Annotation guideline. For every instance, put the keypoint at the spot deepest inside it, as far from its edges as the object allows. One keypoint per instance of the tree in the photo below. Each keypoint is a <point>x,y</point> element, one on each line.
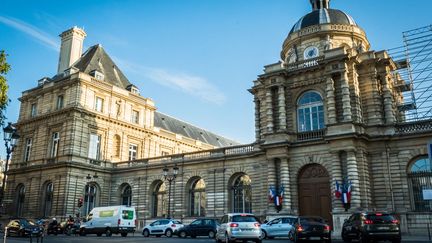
<point>4,100</point>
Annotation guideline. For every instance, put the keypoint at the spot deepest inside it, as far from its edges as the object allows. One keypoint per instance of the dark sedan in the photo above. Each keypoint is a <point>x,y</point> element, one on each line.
<point>366,226</point>
<point>199,227</point>
<point>310,228</point>
<point>23,227</point>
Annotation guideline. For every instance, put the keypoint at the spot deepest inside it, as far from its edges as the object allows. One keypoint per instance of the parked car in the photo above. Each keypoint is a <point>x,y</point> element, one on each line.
<point>278,227</point>
<point>23,227</point>
<point>366,226</point>
<point>239,226</point>
<point>160,227</point>
<point>310,228</point>
<point>109,220</point>
<point>199,227</point>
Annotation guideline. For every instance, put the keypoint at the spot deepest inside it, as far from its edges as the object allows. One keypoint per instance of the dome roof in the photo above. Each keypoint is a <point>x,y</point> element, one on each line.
<point>323,16</point>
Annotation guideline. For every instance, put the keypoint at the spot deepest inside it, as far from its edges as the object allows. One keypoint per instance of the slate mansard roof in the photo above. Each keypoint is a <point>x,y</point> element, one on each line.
<point>96,59</point>
<point>185,129</point>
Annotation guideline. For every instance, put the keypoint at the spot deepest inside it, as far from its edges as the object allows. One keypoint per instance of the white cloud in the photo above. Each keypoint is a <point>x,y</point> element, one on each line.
<point>31,31</point>
<point>190,84</point>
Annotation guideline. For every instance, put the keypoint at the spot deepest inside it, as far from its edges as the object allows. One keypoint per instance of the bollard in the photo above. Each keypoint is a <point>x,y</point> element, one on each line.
<point>429,232</point>
<point>5,234</point>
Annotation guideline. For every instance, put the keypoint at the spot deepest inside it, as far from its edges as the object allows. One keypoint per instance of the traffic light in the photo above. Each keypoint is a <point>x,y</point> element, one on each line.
<point>80,202</point>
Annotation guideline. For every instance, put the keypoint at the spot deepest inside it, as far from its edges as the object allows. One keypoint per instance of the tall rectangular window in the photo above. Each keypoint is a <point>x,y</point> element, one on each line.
<point>133,148</point>
<point>135,117</point>
<point>99,104</point>
<point>27,150</point>
<point>94,146</point>
<point>55,144</point>
<point>59,103</point>
<point>33,111</point>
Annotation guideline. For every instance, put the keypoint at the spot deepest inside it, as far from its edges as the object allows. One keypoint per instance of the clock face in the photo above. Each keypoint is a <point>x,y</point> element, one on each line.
<point>311,52</point>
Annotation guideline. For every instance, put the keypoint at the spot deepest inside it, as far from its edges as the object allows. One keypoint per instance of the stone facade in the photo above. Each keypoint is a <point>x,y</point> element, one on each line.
<point>327,112</point>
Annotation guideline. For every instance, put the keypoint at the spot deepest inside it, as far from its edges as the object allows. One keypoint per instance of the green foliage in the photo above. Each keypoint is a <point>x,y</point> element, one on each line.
<point>4,100</point>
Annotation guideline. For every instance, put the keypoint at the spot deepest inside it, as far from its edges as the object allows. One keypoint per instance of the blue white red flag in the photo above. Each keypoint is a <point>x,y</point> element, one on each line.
<point>338,190</point>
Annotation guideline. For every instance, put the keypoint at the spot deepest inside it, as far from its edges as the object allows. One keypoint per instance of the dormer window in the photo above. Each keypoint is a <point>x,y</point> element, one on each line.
<point>97,75</point>
<point>133,89</point>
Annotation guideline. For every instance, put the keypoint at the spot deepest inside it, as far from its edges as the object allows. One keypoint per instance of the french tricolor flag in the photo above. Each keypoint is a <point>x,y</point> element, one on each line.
<point>338,190</point>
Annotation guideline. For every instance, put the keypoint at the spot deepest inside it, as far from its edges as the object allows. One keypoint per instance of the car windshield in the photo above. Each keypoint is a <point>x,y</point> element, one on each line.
<point>244,218</point>
<point>176,222</point>
<point>311,220</point>
<point>27,222</point>
<point>380,217</point>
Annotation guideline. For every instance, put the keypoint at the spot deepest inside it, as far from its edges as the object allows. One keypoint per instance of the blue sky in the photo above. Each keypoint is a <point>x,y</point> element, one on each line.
<point>194,58</point>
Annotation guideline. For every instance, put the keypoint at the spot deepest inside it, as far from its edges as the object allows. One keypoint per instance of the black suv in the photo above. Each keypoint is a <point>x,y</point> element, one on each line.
<point>199,227</point>
<point>371,226</point>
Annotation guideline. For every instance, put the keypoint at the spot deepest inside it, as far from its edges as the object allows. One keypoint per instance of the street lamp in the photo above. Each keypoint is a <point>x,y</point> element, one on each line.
<point>87,197</point>
<point>11,138</point>
<point>170,177</point>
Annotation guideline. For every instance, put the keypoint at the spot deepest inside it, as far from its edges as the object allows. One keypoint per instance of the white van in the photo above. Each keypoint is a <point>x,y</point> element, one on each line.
<point>109,220</point>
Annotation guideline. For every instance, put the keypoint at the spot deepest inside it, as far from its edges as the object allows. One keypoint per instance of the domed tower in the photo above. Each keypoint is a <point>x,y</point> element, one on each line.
<point>320,30</point>
<point>321,103</point>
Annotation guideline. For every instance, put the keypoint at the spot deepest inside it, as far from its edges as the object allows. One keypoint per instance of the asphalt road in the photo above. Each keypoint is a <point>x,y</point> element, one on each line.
<point>137,238</point>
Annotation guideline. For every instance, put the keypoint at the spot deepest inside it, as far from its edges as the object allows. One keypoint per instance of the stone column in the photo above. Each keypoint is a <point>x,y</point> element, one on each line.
<point>331,104</point>
<point>336,176</point>
<point>271,181</point>
<point>388,101</point>
<point>257,119</point>
<point>285,181</point>
<point>282,108</point>
<point>357,109</point>
<point>353,177</point>
<point>346,100</point>
<point>269,111</point>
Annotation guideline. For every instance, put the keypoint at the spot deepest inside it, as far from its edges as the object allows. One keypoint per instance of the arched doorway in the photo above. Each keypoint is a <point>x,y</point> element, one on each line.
<point>314,192</point>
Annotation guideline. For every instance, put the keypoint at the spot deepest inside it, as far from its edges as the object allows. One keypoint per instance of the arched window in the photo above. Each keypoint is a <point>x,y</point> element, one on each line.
<point>420,182</point>
<point>126,196</point>
<point>197,198</point>
<point>90,198</point>
<point>241,195</point>
<point>20,199</point>
<point>48,199</point>
<point>159,200</point>
<point>310,112</point>
<point>117,146</point>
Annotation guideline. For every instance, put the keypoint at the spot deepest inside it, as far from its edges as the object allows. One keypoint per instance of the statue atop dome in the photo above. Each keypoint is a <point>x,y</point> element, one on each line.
<point>320,4</point>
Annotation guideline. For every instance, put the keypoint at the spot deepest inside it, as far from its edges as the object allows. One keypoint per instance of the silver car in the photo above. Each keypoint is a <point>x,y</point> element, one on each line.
<point>239,226</point>
<point>278,227</point>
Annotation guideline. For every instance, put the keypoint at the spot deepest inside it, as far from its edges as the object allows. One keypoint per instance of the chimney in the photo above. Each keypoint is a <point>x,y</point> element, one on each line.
<point>71,47</point>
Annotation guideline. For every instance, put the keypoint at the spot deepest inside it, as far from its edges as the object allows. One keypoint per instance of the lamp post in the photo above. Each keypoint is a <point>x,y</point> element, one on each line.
<point>89,179</point>
<point>170,177</point>
<point>11,138</point>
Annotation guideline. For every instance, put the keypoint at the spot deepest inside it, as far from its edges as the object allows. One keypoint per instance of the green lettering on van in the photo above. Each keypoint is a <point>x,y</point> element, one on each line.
<point>127,214</point>
<point>106,213</point>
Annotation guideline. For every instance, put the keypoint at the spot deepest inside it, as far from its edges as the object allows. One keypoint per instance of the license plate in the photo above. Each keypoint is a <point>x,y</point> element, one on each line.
<point>246,229</point>
<point>382,228</point>
<point>315,238</point>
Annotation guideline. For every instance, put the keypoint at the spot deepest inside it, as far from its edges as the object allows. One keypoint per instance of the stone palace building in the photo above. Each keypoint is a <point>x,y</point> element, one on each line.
<point>330,110</point>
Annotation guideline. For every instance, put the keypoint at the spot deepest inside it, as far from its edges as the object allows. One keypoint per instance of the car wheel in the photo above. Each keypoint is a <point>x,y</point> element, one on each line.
<point>182,234</point>
<point>123,234</point>
<point>211,234</point>
<point>146,233</point>
<point>168,233</point>
<point>263,235</point>
<point>108,232</point>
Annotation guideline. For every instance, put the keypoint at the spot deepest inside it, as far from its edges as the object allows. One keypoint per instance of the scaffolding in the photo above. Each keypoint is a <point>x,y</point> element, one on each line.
<point>414,73</point>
